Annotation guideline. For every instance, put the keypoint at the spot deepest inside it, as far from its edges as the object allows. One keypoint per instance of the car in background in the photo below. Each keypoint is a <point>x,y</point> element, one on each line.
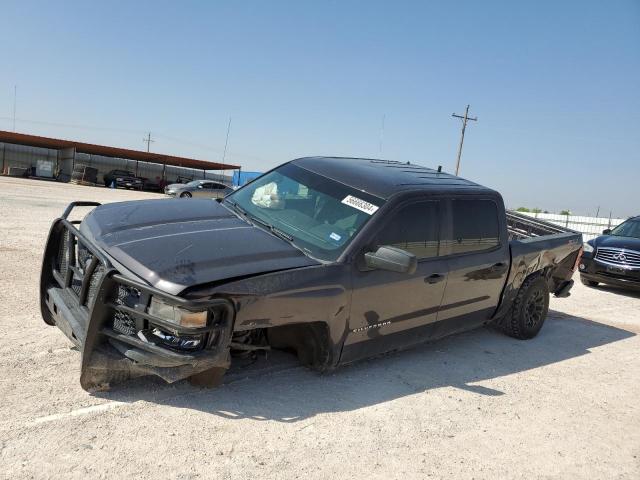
<point>123,179</point>
<point>614,257</point>
<point>152,185</point>
<point>198,188</point>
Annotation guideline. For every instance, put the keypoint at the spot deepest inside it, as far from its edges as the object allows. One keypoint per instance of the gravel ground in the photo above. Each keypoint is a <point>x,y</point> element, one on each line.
<point>477,405</point>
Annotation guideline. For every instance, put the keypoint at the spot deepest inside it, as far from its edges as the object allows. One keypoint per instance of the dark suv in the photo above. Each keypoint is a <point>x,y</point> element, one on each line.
<point>123,178</point>
<point>614,257</point>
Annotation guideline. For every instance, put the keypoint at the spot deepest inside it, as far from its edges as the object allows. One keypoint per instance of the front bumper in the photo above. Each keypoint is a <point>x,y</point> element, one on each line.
<point>596,271</point>
<point>104,313</point>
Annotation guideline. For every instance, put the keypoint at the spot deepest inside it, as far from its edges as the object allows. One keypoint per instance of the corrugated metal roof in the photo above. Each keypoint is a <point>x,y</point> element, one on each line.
<point>58,144</point>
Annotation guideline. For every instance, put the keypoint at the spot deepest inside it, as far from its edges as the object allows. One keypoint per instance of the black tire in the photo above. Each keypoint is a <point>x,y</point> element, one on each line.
<point>588,283</point>
<point>209,378</point>
<point>185,195</point>
<point>529,310</point>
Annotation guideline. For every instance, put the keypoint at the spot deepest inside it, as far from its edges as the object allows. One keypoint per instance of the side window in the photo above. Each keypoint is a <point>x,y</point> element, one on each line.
<point>414,228</point>
<point>475,226</point>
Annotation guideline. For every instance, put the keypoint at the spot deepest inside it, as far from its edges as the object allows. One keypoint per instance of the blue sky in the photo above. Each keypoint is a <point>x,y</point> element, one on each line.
<point>556,85</point>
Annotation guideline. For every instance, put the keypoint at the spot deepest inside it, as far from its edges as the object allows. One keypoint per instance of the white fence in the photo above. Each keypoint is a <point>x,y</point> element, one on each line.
<point>590,227</point>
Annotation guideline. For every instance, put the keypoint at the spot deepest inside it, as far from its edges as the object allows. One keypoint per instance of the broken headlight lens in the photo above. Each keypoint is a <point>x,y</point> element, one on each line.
<point>177,315</point>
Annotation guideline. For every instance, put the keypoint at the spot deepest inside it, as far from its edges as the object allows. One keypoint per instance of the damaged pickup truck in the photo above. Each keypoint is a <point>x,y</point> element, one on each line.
<point>336,259</point>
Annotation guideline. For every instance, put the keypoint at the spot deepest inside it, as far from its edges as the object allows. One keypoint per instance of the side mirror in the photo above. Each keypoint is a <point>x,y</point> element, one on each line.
<point>200,186</point>
<point>392,259</point>
<point>606,231</point>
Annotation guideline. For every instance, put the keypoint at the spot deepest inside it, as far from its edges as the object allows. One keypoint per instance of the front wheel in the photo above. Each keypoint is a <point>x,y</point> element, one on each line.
<point>529,310</point>
<point>185,195</point>
<point>588,283</point>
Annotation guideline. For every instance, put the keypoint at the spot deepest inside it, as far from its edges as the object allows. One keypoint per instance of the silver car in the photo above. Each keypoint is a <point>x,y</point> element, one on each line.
<point>198,188</point>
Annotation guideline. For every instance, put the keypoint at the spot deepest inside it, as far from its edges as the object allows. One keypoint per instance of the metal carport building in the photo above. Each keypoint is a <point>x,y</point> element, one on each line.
<point>31,155</point>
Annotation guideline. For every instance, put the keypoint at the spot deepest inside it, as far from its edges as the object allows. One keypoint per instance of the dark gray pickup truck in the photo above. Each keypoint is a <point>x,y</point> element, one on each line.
<point>336,259</point>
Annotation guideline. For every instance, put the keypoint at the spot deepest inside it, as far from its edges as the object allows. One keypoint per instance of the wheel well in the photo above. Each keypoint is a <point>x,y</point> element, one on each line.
<point>310,341</point>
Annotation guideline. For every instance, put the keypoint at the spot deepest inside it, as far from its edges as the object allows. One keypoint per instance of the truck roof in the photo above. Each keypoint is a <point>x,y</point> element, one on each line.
<point>383,178</point>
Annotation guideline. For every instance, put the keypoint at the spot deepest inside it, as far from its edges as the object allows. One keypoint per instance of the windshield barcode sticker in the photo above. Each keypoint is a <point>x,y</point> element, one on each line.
<point>360,204</point>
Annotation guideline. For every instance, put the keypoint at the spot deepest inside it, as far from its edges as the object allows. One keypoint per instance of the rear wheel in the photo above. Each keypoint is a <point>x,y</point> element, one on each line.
<point>529,309</point>
<point>185,195</point>
<point>588,283</point>
<point>209,378</point>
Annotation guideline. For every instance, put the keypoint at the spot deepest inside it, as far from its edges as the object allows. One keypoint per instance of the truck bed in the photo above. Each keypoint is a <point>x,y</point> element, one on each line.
<point>523,226</point>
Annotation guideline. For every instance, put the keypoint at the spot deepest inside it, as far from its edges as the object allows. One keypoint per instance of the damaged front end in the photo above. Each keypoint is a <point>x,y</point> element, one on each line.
<point>123,327</point>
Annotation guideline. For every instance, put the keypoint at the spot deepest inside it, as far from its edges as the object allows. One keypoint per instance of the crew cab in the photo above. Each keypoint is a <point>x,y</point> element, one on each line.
<point>124,179</point>
<point>337,259</point>
<point>614,257</point>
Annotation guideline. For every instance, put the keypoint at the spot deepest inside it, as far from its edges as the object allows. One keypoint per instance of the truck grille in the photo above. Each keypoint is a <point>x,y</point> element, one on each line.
<point>78,263</point>
<point>94,282</point>
<point>619,257</point>
<point>123,322</point>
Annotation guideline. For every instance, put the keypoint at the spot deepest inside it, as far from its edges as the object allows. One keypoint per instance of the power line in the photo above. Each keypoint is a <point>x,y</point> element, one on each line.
<point>384,115</point>
<point>15,101</point>
<point>226,143</point>
<point>464,127</point>
<point>70,125</point>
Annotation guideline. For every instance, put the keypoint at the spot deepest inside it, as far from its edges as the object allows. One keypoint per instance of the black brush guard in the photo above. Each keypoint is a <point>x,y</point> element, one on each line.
<point>81,297</point>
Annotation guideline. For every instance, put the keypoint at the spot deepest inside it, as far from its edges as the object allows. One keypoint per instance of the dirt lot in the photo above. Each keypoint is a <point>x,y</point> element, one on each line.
<point>478,405</point>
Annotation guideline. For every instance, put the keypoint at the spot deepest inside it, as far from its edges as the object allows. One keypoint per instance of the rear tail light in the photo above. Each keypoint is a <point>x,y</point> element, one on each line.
<point>578,258</point>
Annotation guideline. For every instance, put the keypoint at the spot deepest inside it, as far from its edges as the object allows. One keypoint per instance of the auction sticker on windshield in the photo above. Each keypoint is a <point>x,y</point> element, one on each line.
<point>360,204</point>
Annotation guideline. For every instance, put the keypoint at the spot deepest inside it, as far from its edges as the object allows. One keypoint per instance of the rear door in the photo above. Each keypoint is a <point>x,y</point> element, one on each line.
<point>477,252</point>
<point>390,310</point>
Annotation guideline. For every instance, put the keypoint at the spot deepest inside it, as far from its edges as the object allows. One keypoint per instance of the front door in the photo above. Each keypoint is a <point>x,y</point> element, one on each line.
<point>390,310</point>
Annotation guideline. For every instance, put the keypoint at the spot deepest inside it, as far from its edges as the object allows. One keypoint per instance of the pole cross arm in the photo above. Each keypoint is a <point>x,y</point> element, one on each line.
<point>475,119</point>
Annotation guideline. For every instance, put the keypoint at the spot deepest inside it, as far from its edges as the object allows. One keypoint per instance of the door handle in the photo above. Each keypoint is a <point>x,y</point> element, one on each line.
<point>435,278</point>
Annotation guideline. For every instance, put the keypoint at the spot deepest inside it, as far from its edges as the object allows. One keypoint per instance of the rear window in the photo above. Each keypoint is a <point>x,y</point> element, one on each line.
<point>475,226</point>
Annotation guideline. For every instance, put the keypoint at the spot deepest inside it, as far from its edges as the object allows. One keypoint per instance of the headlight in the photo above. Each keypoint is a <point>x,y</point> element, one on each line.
<point>177,315</point>
<point>118,179</point>
<point>587,247</point>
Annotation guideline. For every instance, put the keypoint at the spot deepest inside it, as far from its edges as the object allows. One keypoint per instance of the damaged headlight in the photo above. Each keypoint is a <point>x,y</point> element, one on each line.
<point>177,315</point>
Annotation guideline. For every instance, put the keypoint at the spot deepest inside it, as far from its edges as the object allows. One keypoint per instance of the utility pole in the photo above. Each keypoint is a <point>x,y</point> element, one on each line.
<point>465,119</point>
<point>148,141</point>
<point>15,98</point>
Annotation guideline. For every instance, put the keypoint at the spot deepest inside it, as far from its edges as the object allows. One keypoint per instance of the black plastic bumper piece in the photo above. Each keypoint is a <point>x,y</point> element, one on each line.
<point>564,290</point>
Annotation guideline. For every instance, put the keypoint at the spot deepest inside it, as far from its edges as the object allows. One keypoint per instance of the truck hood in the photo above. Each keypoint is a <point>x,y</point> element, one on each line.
<point>177,244</point>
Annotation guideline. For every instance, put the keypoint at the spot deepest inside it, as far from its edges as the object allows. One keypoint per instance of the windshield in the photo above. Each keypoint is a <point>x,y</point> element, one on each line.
<point>194,183</point>
<point>630,228</point>
<point>318,215</point>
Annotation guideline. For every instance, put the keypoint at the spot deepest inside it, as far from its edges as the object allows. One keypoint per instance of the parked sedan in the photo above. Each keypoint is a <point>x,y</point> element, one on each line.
<point>198,188</point>
<point>614,257</point>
